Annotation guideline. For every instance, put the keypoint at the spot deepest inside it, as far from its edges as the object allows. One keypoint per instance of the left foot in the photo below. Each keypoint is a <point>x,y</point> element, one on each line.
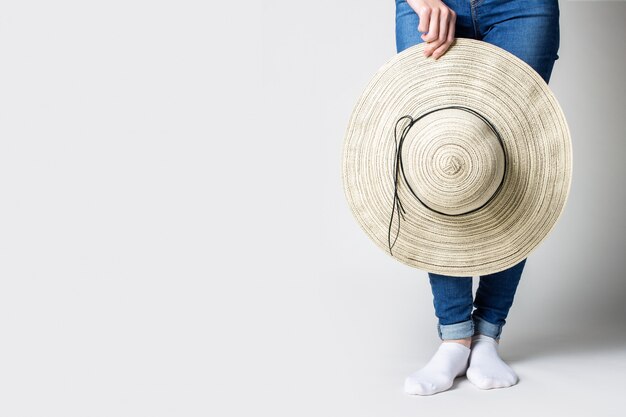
<point>486,369</point>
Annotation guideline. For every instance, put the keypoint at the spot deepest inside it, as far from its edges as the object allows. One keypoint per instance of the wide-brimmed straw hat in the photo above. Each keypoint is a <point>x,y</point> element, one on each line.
<point>458,166</point>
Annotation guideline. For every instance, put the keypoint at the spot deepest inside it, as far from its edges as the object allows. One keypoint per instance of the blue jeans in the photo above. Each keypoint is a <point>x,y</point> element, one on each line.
<point>529,29</point>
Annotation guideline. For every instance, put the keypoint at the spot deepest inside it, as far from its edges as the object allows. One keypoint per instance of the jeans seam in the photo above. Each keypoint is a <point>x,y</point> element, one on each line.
<point>473,6</point>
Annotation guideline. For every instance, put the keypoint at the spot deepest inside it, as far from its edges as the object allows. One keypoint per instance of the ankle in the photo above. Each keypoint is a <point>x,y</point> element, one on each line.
<point>467,342</point>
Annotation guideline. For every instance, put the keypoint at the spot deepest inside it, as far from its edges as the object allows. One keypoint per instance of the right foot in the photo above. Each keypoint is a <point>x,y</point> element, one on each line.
<point>449,361</point>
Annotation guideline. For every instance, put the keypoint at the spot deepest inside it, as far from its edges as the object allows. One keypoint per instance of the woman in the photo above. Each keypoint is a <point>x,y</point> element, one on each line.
<point>529,29</point>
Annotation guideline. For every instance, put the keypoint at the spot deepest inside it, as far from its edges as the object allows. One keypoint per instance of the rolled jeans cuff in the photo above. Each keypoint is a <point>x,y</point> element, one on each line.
<point>460,330</point>
<point>484,327</point>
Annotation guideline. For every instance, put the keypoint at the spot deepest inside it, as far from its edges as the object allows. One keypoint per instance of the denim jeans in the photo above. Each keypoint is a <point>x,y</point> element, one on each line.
<point>529,29</point>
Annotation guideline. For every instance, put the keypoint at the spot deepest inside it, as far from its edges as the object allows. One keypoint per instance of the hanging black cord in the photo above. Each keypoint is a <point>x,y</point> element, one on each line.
<point>397,204</point>
<point>398,168</point>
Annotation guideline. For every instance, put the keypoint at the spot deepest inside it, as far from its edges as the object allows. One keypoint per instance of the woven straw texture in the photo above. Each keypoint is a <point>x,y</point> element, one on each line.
<point>485,203</point>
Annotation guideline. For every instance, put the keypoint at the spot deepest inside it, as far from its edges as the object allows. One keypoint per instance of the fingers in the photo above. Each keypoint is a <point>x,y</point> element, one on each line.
<point>443,32</point>
<point>448,39</point>
<point>444,47</point>
<point>433,27</point>
<point>424,18</point>
<point>439,22</point>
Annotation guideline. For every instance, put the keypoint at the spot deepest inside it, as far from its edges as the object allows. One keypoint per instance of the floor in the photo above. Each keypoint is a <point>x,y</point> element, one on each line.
<point>579,374</point>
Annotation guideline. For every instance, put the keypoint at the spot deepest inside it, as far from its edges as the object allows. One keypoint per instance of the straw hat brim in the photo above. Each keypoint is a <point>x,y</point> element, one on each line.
<point>534,133</point>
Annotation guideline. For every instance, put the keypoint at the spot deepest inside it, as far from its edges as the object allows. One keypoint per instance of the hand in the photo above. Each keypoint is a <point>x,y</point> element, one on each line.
<point>439,21</point>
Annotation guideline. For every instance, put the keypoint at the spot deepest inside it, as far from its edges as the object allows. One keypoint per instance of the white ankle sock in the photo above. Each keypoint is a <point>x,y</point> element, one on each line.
<point>449,361</point>
<point>486,369</point>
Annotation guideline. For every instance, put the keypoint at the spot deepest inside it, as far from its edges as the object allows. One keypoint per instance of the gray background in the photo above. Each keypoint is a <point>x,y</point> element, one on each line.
<point>174,238</point>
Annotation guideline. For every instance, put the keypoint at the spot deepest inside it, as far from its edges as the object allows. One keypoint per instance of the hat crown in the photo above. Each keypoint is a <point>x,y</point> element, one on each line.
<point>453,161</point>
<point>452,165</point>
